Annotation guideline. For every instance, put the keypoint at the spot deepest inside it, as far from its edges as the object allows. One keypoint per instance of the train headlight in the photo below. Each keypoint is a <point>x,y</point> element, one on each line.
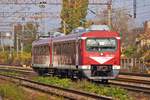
<point>116,67</point>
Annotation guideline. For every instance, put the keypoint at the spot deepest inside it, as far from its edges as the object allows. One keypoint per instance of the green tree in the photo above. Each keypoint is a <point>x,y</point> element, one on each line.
<point>129,51</point>
<point>73,14</point>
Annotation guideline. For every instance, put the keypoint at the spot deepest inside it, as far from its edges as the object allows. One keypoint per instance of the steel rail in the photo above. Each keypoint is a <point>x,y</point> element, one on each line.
<point>132,86</point>
<point>137,85</point>
<point>66,93</point>
<point>24,72</point>
<point>141,81</point>
<point>135,74</point>
<point>13,67</point>
<point>126,83</point>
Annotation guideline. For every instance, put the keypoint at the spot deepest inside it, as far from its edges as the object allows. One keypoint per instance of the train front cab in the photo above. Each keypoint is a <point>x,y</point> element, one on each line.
<point>100,57</point>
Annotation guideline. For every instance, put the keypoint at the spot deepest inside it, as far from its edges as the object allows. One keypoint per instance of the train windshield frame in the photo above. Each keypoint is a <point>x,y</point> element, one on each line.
<point>101,44</point>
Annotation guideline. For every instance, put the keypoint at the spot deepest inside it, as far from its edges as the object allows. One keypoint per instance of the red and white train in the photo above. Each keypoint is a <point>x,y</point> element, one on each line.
<point>92,54</point>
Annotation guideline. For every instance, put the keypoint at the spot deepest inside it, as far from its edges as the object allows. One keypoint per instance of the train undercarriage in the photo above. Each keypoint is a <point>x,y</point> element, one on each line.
<point>96,73</point>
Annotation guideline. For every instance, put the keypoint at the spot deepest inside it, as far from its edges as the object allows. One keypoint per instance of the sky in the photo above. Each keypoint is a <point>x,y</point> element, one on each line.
<point>52,16</point>
<point>51,22</point>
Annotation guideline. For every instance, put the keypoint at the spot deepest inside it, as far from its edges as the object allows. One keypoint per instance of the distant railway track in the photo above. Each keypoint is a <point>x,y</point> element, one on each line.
<point>55,90</point>
<point>17,70</point>
<point>15,67</point>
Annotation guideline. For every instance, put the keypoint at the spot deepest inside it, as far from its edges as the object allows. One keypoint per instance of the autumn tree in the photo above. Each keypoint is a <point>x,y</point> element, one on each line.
<point>17,34</point>
<point>121,21</point>
<point>29,34</point>
<point>73,14</point>
<point>30,31</point>
<point>25,35</point>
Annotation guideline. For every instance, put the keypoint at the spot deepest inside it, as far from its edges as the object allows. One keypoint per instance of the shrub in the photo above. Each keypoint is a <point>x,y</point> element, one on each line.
<point>11,92</point>
<point>22,58</point>
<point>4,57</point>
<point>55,81</point>
<point>129,52</point>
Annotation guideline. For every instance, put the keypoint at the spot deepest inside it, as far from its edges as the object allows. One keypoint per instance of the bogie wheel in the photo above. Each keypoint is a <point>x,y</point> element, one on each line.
<point>104,81</point>
<point>40,72</point>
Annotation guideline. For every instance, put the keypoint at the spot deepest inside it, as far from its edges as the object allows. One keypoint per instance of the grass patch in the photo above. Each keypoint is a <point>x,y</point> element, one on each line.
<point>66,83</point>
<point>10,73</point>
<point>115,92</point>
<point>11,92</point>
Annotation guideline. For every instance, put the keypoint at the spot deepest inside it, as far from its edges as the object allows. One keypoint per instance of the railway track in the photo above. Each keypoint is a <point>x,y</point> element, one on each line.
<point>25,71</point>
<point>135,74</point>
<point>129,83</point>
<point>14,67</point>
<point>133,83</point>
<point>63,92</point>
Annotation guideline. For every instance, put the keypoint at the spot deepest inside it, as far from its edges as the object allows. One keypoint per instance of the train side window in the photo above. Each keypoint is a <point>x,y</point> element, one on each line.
<point>40,50</point>
<point>43,50</point>
<point>35,50</point>
<point>46,50</point>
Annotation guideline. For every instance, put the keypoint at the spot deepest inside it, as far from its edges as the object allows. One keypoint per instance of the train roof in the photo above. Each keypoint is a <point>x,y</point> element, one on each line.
<point>41,41</point>
<point>76,36</point>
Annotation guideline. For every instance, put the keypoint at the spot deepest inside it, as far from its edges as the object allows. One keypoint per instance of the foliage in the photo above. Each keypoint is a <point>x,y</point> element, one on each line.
<point>10,73</point>
<point>3,57</point>
<point>17,59</point>
<point>129,51</point>
<point>27,48</point>
<point>55,81</point>
<point>146,57</point>
<point>121,23</point>
<point>11,92</point>
<point>29,33</point>
<point>22,58</point>
<point>25,34</point>
<point>73,14</point>
<point>115,92</point>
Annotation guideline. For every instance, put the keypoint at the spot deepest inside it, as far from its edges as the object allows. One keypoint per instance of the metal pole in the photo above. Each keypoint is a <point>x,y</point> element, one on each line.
<point>109,7</point>
<point>1,39</point>
<point>9,50</point>
<point>17,43</point>
<point>134,6</point>
<point>23,26</point>
<point>2,42</point>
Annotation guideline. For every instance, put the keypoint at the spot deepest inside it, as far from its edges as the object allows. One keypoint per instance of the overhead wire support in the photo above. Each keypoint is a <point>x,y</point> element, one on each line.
<point>134,8</point>
<point>48,2</point>
<point>109,8</point>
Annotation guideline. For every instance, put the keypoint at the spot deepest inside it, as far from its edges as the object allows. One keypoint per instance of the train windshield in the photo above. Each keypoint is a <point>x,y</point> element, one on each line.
<point>101,44</point>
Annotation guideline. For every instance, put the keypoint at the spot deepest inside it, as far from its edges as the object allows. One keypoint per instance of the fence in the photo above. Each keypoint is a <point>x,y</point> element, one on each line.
<point>133,65</point>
